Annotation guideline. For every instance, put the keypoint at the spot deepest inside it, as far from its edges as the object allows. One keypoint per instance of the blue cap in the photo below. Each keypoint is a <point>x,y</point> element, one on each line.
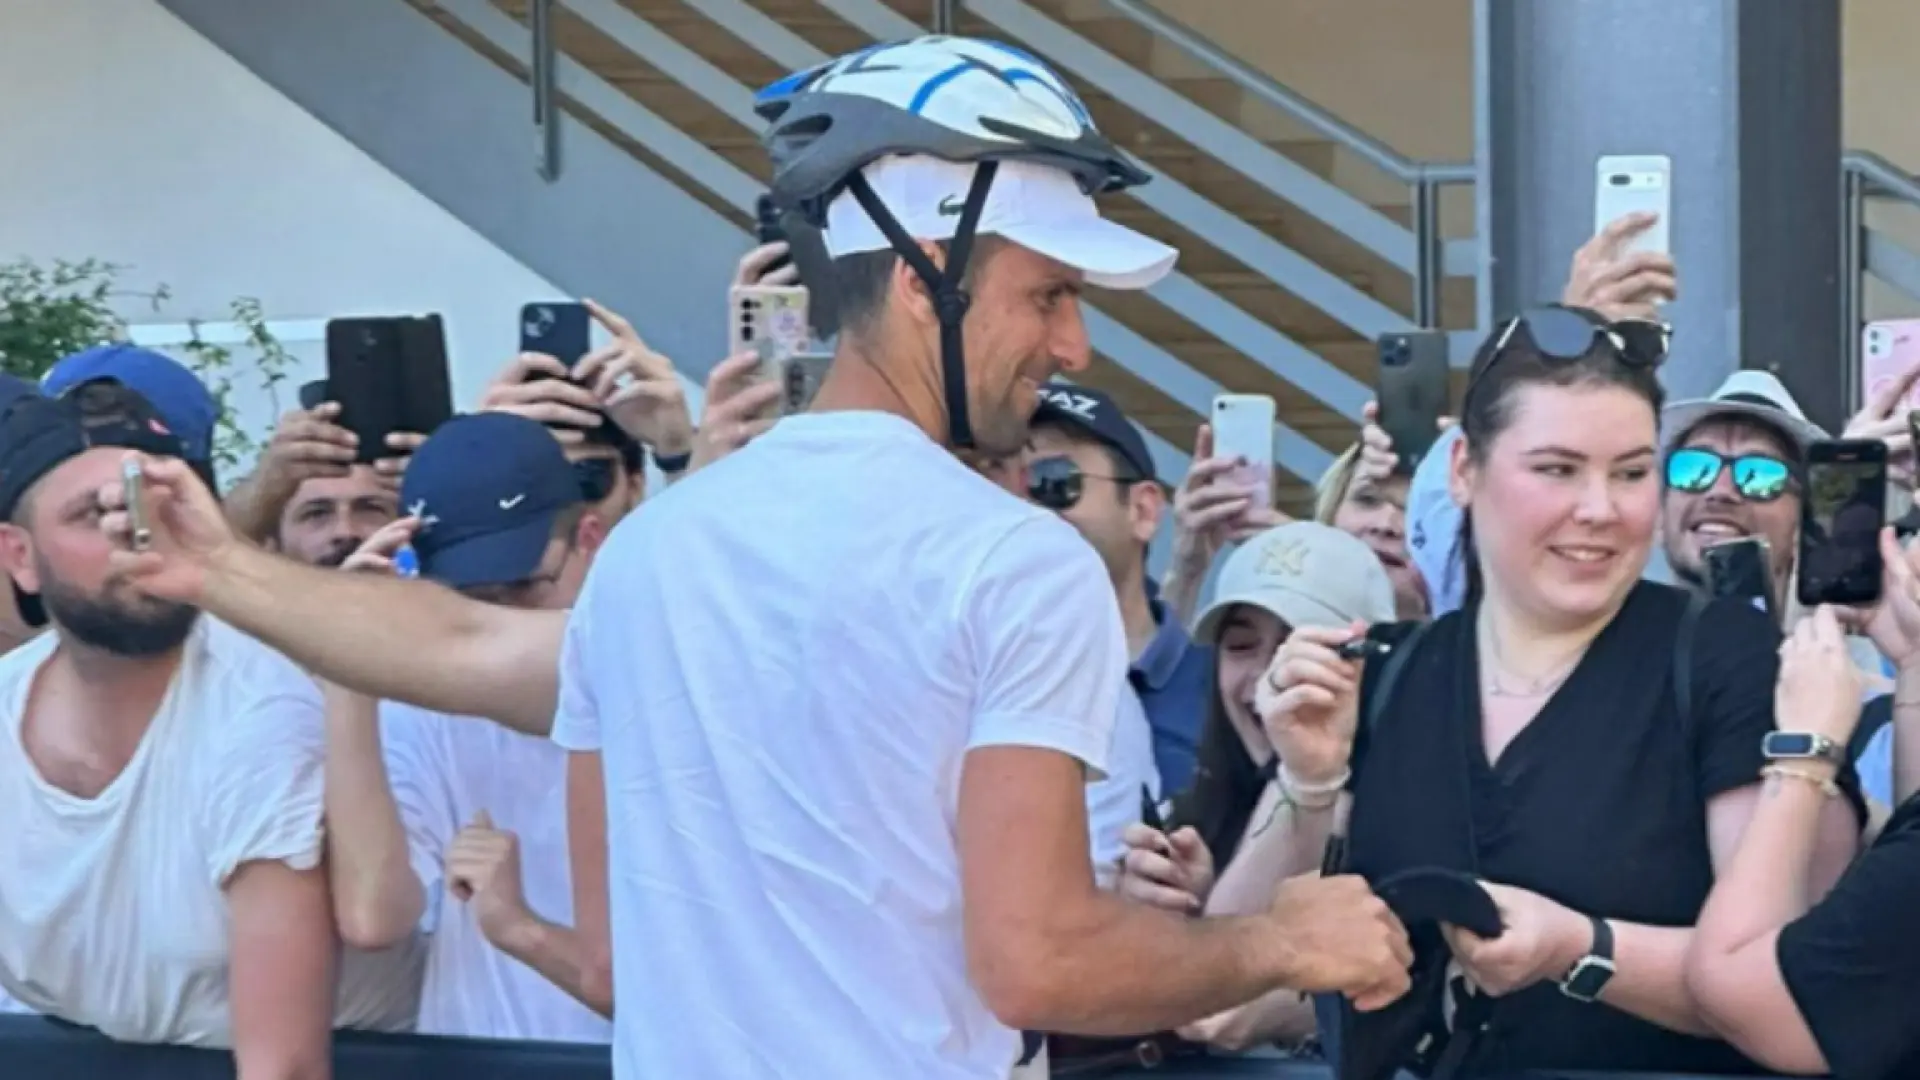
<point>175,392</point>
<point>487,487</point>
<point>1434,523</point>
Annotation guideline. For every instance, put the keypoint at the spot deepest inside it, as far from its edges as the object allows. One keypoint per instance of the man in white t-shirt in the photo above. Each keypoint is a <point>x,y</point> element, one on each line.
<point>159,784</point>
<point>422,806</point>
<point>841,693</point>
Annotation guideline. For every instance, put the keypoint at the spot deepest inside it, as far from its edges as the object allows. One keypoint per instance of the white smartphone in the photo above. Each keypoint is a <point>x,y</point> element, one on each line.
<point>771,320</point>
<point>1243,428</point>
<point>1636,183</point>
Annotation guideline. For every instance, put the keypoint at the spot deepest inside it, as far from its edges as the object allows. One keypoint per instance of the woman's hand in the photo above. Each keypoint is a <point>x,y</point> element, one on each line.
<point>1893,623</point>
<point>1171,872</point>
<point>1819,688</point>
<point>1540,940</point>
<point>1309,702</point>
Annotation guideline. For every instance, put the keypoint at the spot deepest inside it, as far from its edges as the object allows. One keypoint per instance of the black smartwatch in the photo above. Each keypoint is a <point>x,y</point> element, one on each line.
<point>670,464</point>
<point>1591,972</point>
<point>1801,746</point>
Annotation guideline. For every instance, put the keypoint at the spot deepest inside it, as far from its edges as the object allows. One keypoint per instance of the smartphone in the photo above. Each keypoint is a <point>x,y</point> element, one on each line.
<point>1243,429</point>
<point>1635,183</point>
<point>1841,516</point>
<point>133,489</point>
<point>562,330</point>
<point>767,229</point>
<point>1150,811</point>
<point>389,373</point>
<point>1742,569</point>
<point>1414,383</point>
<point>770,320</point>
<point>1889,348</point>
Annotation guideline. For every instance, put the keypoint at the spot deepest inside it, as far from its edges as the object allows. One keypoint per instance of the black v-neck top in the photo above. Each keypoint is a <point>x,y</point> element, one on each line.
<point>1599,803</point>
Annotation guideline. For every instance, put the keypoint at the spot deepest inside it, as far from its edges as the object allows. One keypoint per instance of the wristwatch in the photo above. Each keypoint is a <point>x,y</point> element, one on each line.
<point>670,464</point>
<point>1591,972</point>
<point>1801,746</point>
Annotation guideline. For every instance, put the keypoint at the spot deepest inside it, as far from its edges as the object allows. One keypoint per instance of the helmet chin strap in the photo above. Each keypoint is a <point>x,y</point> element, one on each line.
<point>950,301</point>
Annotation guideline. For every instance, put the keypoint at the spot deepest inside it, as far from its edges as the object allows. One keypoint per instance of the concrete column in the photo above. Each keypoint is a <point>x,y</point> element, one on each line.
<point>1744,97</point>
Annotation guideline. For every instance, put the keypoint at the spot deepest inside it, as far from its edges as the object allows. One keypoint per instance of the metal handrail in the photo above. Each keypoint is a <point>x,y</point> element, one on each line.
<point>1312,114</point>
<point>1863,175</point>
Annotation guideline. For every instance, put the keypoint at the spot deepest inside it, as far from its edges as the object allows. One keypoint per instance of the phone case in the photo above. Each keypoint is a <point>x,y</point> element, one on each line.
<point>770,320</point>
<point>1243,428</point>
<point>562,330</point>
<point>1413,388</point>
<point>1629,183</point>
<point>1840,521</point>
<point>1889,349</point>
<point>389,373</point>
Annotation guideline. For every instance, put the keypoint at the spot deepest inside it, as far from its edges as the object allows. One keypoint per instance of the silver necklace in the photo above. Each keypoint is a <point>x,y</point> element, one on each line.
<point>1536,688</point>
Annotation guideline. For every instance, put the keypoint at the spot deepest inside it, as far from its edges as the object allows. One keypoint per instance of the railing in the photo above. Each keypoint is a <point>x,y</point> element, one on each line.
<point>1424,179</point>
<point>1865,250</point>
<point>34,1047</point>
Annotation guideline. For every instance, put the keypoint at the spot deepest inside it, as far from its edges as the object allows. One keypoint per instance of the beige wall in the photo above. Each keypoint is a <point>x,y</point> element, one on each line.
<point>1402,70</point>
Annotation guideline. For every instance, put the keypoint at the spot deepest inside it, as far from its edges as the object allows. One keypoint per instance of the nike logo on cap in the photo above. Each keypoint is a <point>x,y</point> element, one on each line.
<point>508,504</point>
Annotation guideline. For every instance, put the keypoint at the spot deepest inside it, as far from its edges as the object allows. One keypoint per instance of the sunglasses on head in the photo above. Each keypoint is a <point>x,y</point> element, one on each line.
<point>1057,483</point>
<point>1756,477</point>
<point>1564,335</point>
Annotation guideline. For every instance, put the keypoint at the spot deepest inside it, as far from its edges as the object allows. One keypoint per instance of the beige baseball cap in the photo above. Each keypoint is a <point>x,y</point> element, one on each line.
<point>1306,574</point>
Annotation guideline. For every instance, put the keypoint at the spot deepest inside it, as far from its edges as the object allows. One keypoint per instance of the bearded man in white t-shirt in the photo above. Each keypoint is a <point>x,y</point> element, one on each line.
<point>159,782</point>
<point>841,692</point>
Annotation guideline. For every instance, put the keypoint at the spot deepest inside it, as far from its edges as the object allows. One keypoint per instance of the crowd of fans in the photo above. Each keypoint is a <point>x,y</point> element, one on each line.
<point>871,742</point>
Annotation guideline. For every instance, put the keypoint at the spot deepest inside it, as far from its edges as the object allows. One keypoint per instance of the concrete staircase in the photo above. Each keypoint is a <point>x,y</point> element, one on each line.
<point>1166,152</point>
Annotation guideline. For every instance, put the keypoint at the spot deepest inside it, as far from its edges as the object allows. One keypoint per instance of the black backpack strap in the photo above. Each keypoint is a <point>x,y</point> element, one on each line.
<point>1683,680</point>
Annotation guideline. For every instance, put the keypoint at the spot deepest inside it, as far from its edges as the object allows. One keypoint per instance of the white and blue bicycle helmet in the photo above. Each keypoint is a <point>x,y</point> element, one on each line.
<point>973,103</point>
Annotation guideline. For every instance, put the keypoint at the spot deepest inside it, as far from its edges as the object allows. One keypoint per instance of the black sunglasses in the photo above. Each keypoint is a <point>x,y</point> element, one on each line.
<point>1564,334</point>
<point>1057,483</point>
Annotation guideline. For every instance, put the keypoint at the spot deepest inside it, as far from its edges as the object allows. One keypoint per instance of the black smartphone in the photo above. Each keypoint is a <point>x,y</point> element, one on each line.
<point>767,229</point>
<point>1412,391</point>
<point>1741,569</point>
<point>389,373</point>
<point>1150,811</point>
<point>1841,516</point>
<point>562,330</point>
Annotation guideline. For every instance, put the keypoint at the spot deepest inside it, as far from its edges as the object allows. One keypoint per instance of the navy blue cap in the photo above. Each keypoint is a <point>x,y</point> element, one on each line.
<point>487,487</point>
<point>1095,414</point>
<point>175,392</point>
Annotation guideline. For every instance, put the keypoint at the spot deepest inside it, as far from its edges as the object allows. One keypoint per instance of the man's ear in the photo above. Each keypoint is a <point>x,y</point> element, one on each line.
<point>908,286</point>
<point>1147,505</point>
<point>591,533</point>
<point>16,557</point>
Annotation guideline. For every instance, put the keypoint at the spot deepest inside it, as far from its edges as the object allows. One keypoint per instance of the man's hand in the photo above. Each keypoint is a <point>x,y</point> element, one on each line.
<point>752,268</point>
<point>1617,283</point>
<point>376,553</point>
<point>306,445</point>
<point>736,410</point>
<point>393,468</point>
<point>1211,511</point>
<point>540,388</point>
<point>1340,937</point>
<point>189,531</point>
<point>483,871</point>
<point>637,387</point>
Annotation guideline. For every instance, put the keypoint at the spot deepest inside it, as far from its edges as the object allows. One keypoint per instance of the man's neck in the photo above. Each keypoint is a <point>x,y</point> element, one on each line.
<point>1136,612</point>
<point>116,690</point>
<point>862,378</point>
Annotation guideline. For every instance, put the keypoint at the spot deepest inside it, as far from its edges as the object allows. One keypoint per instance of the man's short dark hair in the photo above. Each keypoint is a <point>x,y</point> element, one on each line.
<point>860,280</point>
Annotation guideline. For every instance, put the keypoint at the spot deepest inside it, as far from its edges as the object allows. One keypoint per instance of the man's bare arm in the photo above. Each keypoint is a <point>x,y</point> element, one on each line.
<point>410,641</point>
<point>1049,951</point>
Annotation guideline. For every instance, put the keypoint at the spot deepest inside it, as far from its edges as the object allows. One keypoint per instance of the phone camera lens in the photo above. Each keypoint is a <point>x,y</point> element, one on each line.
<point>1620,180</point>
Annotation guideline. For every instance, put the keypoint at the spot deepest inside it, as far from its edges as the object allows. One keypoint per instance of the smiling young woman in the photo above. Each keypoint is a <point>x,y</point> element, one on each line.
<point>1534,739</point>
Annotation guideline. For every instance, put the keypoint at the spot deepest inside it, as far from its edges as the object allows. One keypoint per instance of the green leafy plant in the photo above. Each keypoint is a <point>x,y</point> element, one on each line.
<point>52,310</point>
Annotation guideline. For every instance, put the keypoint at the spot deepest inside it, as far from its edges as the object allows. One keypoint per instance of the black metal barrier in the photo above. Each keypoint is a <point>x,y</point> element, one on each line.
<point>31,1046</point>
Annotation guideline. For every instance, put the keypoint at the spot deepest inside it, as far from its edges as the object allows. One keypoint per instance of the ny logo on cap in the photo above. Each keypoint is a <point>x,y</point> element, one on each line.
<point>1079,405</point>
<point>419,510</point>
<point>1287,559</point>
